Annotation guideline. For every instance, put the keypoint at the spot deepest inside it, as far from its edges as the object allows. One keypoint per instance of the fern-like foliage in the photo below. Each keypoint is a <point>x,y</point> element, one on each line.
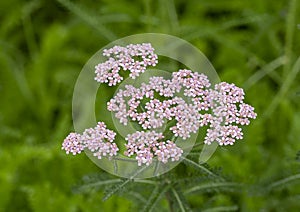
<point>171,191</point>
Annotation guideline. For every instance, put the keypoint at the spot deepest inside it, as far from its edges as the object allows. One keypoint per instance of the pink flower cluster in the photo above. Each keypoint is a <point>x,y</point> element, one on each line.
<point>185,103</point>
<point>135,58</point>
<point>126,103</point>
<point>72,144</point>
<point>146,145</point>
<point>218,108</point>
<point>228,111</point>
<point>98,140</point>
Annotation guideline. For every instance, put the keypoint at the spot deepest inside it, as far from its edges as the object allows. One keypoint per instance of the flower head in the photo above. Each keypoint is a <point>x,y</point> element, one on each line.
<point>228,111</point>
<point>98,140</point>
<point>146,145</point>
<point>184,103</point>
<point>134,58</point>
<point>73,144</point>
<point>221,108</point>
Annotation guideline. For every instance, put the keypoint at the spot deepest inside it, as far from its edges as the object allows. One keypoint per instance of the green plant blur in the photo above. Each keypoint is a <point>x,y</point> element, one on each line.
<point>44,44</point>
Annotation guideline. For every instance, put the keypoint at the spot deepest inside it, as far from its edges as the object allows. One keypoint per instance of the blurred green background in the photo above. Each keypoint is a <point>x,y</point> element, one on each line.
<point>44,44</point>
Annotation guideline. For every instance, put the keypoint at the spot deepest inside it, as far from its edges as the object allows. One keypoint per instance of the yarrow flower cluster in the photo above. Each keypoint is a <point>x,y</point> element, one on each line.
<point>228,111</point>
<point>219,108</point>
<point>135,58</point>
<point>72,144</point>
<point>126,103</point>
<point>185,102</point>
<point>146,145</point>
<point>98,140</point>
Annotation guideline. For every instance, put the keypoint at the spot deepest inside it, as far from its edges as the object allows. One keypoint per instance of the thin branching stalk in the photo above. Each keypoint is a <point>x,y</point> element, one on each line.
<point>198,166</point>
<point>100,183</point>
<point>145,181</point>
<point>180,203</point>
<point>211,186</point>
<point>284,181</point>
<point>170,202</point>
<point>123,184</point>
<point>156,195</point>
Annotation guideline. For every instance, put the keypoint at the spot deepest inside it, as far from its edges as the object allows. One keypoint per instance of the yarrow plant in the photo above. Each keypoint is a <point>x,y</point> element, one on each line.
<point>181,105</point>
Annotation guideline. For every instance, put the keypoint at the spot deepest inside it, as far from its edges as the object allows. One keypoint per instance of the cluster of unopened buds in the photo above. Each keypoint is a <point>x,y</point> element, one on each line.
<point>187,99</point>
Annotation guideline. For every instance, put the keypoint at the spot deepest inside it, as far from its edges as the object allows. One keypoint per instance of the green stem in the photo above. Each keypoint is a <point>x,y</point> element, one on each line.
<point>210,186</point>
<point>169,200</point>
<point>290,28</point>
<point>178,200</point>
<point>284,181</point>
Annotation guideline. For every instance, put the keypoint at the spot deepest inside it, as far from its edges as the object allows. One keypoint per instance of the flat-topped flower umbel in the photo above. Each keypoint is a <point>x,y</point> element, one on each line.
<point>99,140</point>
<point>180,105</point>
<point>134,58</point>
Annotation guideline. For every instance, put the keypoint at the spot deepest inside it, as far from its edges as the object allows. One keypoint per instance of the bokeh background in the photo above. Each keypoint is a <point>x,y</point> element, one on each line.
<point>44,45</point>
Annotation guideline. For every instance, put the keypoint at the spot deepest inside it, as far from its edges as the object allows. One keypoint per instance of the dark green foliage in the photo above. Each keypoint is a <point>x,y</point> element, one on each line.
<point>43,47</point>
